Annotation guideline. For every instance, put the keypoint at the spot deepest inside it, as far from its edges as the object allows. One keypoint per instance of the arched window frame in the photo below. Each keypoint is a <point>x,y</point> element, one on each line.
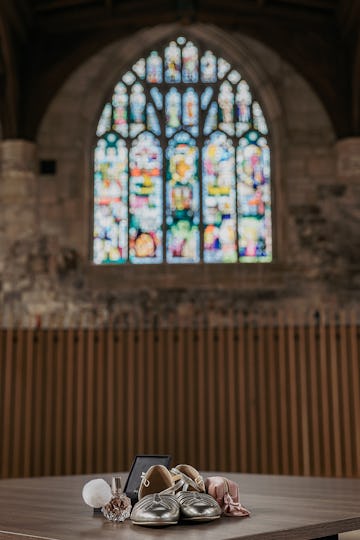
<point>201,138</point>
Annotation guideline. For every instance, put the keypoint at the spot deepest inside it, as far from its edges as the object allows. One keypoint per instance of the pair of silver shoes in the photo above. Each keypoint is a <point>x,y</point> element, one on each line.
<point>166,497</point>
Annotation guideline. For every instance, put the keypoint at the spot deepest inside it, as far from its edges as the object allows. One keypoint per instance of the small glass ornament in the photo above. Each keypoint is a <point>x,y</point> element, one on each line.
<point>119,507</point>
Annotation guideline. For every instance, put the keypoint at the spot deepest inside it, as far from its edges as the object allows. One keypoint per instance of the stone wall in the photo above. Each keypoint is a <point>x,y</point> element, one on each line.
<point>45,220</point>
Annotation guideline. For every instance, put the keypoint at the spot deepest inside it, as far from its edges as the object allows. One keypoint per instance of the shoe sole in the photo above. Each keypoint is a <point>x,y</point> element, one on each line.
<point>200,518</point>
<point>155,524</point>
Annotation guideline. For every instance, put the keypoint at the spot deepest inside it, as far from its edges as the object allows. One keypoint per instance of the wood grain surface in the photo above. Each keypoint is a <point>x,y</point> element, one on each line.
<point>281,394</point>
<point>282,508</point>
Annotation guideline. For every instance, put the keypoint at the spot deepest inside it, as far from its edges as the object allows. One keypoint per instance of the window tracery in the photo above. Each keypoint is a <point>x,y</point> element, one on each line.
<point>182,164</point>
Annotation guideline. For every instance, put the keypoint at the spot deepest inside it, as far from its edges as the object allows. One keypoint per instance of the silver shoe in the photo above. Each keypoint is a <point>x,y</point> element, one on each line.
<point>156,510</point>
<point>196,506</point>
<point>189,478</point>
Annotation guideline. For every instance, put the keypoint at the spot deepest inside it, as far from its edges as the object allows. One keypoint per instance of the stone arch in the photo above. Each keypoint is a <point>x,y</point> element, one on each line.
<point>68,127</point>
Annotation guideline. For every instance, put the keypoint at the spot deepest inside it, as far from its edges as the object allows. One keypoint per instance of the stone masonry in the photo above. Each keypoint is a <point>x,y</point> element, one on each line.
<point>45,220</point>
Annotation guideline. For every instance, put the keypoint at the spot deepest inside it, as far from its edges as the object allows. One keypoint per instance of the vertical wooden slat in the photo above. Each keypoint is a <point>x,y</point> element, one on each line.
<point>180,397</point>
<point>59,402</point>
<point>201,435</point>
<point>160,384</point>
<point>273,399</point>
<point>252,419</point>
<point>334,399</point>
<point>355,386</point>
<point>141,383</point>
<point>315,400</point>
<point>190,390</point>
<point>110,398</point>
<point>99,409</point>
<point>38,401</point>
<point>212,396</point>
<point>89,406</point>
<point>120,399</point>
<point>283,403</point>
<point>262,399</point>
<point>128,397</point>
<point>221,362</point>
<point>80,462</point>
<point>293,389</point>
<point>170,387</point>
<point>49,395</point>
<point>2,386</point>
<point>28,415</point>
<point>303,363</point>
<point>18,404</point>
<point>149,362</point>
<point>69,402</point>
<point>8,385</point>
<point>232,397</point>
<point>345,378</point>
<point>242,398</point>
<point>325,402</point>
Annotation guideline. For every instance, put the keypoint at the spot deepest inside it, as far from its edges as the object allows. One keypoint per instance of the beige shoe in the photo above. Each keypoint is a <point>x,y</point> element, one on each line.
<point>190,478</point>
<point>157,479</point>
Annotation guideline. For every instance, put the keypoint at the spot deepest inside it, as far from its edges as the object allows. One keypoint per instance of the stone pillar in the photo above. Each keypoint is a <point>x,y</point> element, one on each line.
<point>17,188</point>
<point>348,174</point>
<point>18,216</point>
<point>348,160</point>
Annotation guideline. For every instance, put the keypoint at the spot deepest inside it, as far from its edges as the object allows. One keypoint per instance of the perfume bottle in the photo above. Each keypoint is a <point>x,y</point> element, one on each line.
<point>119,507</point>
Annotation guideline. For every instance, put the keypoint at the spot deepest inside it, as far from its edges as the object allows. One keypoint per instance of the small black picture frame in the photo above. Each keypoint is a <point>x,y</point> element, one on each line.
<point>141,464</point>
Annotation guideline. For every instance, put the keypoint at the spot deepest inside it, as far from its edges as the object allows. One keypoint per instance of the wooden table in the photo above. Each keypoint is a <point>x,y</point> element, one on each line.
<point>282,507</point>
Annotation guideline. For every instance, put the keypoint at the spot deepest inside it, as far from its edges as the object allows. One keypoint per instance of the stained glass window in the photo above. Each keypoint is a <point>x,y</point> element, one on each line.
<point>182,164</point>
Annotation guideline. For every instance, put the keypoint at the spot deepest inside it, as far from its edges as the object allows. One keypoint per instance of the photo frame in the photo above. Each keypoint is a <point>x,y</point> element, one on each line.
<point>141,464</point>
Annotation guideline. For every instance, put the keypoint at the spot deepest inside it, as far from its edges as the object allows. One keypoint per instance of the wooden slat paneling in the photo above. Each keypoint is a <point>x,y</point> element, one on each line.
<point>270,394</point>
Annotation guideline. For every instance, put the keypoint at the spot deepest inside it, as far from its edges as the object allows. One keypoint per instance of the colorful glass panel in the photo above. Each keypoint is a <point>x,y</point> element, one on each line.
<point>223,68</point>
<point>243,103</point>
<point>182,200</point>
<point>105,120</point>
<point>254,199</point>
<point>226,109</point>
<point>145,203</point>
<point>206,96</point>
<point>219,200</point>
<point>137,109</point>
<point>211,121</point>
<point>157,97</point>
<point>173,111</point>
<point>236,198</point>
<point>120,104</point>
<point>154,68</point>
<point>139,68</point>
<point>129,78</point>
<point>152,119</point>
<point>190,66</point>
<point>234,76</point>
<point>172,63</point>
<point>208,67</point>
<point>191,111</point>
<point>110,201</point>
<point>259,119</point>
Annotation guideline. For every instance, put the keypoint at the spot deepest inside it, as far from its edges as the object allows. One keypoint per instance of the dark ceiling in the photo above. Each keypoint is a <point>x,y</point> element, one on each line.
<point>42,41</point>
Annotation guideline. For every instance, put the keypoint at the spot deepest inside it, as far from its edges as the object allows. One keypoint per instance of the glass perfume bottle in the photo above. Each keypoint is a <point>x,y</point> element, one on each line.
<point>119,507</point>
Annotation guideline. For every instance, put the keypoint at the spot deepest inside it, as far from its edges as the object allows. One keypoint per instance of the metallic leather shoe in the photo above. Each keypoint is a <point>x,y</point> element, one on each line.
<point>190,478</point>
<point>156,510</point>
<point>196,506</point>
